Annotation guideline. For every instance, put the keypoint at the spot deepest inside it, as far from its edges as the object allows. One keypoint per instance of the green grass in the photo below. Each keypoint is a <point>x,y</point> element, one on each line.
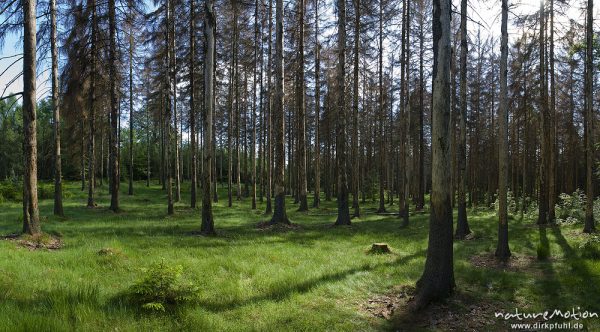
<point>313,278</point>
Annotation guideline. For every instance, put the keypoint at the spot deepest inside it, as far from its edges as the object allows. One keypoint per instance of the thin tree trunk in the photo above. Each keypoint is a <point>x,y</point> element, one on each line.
<point>280,214</point>
<point>355,156</point>
<point>544,125</point>
<point>207,226</point>
<point>192,115</point>
<point>502,250</point>
<point>130,189</point>
<point>552,130</point>
<point>269,115</point>
<point>300,95</point>
<point>92,138</point>
<point>114,107</point>
<point>173,90</point>
<point>253,149</point>
<point>462,224</point>
<point>343,217</point>
<point>168,110</point>
<point>317,198</point>
<point>590,225</point>
<point>58,204</point>
<point>380,117</point>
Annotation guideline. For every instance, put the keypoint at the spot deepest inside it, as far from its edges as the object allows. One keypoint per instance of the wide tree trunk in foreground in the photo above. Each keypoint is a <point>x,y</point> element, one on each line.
<point>343,217</point>
<point>280,214</point>
<point>462,225</point>
<point>58,204</point>
<point>31,214</point>
<point>502,250</point>
<point>437,281</point>
<point>209,62</point>
<point>590,225</point>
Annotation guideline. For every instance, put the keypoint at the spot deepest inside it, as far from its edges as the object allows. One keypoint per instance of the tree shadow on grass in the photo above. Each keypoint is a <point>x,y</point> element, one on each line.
<point>284,292</point>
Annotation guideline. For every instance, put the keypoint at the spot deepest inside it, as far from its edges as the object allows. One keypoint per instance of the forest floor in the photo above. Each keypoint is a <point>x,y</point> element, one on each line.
<point>313,277</point>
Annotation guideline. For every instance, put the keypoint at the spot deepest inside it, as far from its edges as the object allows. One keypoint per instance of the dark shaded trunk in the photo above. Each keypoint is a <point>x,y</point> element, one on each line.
<point>207,226</point>
<point>343,217</point>
<point>437,281</point>
<point>114,109</point>
<point>590,225</point>
<point>502,250</point>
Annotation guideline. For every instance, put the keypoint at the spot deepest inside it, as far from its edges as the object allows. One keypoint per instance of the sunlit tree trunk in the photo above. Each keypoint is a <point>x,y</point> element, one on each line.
<point>58,204</point>
<point>31,214</point>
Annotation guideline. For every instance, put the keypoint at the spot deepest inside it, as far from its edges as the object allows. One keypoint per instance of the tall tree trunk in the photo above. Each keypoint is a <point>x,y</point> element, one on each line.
<point>544,125</point>
<point>437,281</point>
<point>130,189</point>
<point>167,123</point>
<point>301,105</point>
<point>421,178</point>
<point>380,117</point>
<point>173,91</point>
<point>355,156</point>
<point>317,198</point>
<point>192,115</point>
<point>343,217</point>
<point>31,214</point>
<point>280,214</point>
<point>209,62</point>
<point>552,127</point>
<point>403,202</point>
<point>502,250</point>
<point>58,204</point>
<point>462,225</point>
<point>92,138</point>
<point>114,109</point>
<point>253,150</point>
<point>590,225</point>
<point>269,115</point>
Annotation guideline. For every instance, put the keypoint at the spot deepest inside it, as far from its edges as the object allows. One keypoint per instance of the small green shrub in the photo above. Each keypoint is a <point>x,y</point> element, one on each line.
<point>543,252</point>
<point>11,192</point>
<point>161,288</point>
<point>590,248</point>
<point>570,208</point>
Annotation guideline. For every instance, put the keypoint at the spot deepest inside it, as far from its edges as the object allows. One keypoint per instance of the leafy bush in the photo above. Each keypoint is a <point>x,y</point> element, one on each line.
<point>161,288</point>
<point>11,192</point>
<point>590,248</point>
<point>571,208</point>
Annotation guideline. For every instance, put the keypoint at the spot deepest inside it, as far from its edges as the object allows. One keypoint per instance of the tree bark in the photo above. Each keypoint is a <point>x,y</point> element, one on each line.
<point>192,115</point>
<point>590,225</point>
<point>462,224</point>
<point>502,250</point>
<point>114,107</point>
<point>31,214</point>
<point>269,115</point>
<point>317,198</point>
<point>58,204</point>
<point>437,281</point>
<point>355,155</point>
<point>280,214</point>
<point>343,217</point>
<point>301,105</point>
<point>381,117</point>
<point>544,125</point>
<point>207,226</point>
<point>130,189</point>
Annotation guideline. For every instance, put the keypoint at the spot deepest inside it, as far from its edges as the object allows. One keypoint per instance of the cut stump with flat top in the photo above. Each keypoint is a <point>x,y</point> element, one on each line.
<point>380,248</point>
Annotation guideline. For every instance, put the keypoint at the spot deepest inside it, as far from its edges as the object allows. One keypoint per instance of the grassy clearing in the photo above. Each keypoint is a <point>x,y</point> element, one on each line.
<point>312,278</point>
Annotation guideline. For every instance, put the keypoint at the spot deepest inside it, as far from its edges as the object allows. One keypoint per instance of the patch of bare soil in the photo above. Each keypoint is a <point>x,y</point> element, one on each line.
<point>459,313</point>
<point>514,263</point>
<point>266,226</point>
<point>36,242</point>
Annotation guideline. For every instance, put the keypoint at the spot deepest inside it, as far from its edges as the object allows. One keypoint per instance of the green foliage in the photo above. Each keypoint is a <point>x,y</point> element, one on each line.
<point>10,191</point>
<point>570,208</point>
<point>543,252</point>
<point>590,248</point>
<point>161,288</point>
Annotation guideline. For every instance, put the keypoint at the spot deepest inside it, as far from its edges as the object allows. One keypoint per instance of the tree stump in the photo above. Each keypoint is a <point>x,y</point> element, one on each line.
<point>380,248</point>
